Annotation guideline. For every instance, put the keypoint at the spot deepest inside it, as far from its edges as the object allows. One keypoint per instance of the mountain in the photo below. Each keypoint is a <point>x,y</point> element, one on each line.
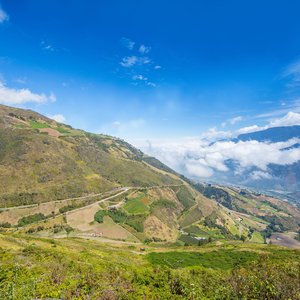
<point>278,180</point>
<point>87,216</point>
<point>42,160</point>
<point>274,135</point>
<point>55,179</point>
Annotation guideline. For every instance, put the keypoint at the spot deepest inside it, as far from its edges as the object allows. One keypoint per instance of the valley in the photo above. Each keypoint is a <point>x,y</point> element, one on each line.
<point>72,201</point>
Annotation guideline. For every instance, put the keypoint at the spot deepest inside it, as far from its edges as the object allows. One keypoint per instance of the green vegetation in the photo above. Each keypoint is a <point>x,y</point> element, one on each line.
<point>136,222</point>
<point>5,225</point>
<point>117,215</point>
<point>185,197</point>
<point>62,130</point>
<point>32,268</point>
<point>221,259</point>
<point>31,219</point>
<point>69,207</point>
<point>61,168</point>
<point>38,125</point>
<point>162,203</point>
<point>136,205</point>
<point>189,240</point>
<point>62,227</point>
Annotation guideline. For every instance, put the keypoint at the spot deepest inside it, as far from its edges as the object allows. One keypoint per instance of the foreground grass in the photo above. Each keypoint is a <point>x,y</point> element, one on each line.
<point>82,269</point>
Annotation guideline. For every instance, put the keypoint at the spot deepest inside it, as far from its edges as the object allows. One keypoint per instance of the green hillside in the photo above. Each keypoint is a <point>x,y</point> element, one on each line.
<point>42,160</point>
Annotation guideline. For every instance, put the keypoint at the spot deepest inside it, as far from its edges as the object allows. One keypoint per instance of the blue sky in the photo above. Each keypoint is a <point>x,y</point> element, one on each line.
<point>144,70</point>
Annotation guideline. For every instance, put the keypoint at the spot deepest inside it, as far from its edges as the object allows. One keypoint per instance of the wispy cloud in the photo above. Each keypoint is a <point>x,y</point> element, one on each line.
<point>144,49</point>
<point>127,43</point>
<point>3,16</point>
<point>139,64</point>
<point>139,77</point>
<point>232,121</point>
<point>123,128</point>
<point>284,108</point>
<point>48,46</point>
<point>58,118</point>
<point>292,72</point>
<point>21,80</point>
<point>12,96</point>
<point>130,61</point>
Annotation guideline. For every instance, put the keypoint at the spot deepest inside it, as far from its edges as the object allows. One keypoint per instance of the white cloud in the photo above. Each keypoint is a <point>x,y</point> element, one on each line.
<point>258,175</point>
<point>157,67</point>
<point>139,77</point>
<point>213,134</point>
<point>48,46</point>
<point>11,96</point>
<point>235,120</point>
<point>291,118</point>
<point>3,16</point>
<point>248,129</point>
<point>293,72</point>
<point>196,169</point>
<point>127,43</point>
<point>144,49</point>
<point>21,80</point>
<point>58,118</point>
<point>232,121</point>
<point>129,61</point>
<point>149,83</point>
<point>200,158</point>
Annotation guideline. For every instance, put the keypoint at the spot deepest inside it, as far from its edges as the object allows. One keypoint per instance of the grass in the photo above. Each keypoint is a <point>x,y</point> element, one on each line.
<point>38,125</point>
<point>185,197</point>
<point>40,268</point>
<point>222,259</point>
<point>256,237</point>
<point>63,130</point>
<point>136,205</point>
<point>195,230</point>
<point>192,216</point>
<point>20,126</point>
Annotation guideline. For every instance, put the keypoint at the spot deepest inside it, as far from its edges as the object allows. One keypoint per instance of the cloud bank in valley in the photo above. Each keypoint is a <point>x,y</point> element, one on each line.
<point>204,156</point>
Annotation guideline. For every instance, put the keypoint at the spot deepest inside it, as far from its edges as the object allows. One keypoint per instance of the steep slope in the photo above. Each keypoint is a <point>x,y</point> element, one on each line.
<point>42,160</point>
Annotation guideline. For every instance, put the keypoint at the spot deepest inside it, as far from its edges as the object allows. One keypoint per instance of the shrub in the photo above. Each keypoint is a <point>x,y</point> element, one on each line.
<point>5,225</point>
<point>31,219</point>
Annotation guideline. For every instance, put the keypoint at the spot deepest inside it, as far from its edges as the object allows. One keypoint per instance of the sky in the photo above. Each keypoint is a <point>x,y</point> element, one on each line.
<point>154,72</point>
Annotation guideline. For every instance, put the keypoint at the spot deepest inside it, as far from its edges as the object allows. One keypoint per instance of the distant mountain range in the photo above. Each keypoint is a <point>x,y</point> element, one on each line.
<point>274,135</point>
<point>282,180</point>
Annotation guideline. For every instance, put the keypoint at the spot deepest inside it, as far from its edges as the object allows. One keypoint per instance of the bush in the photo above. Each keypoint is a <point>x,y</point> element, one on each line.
<point>67,208</point>
<point>31,219</point>
<point>5,225</point>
